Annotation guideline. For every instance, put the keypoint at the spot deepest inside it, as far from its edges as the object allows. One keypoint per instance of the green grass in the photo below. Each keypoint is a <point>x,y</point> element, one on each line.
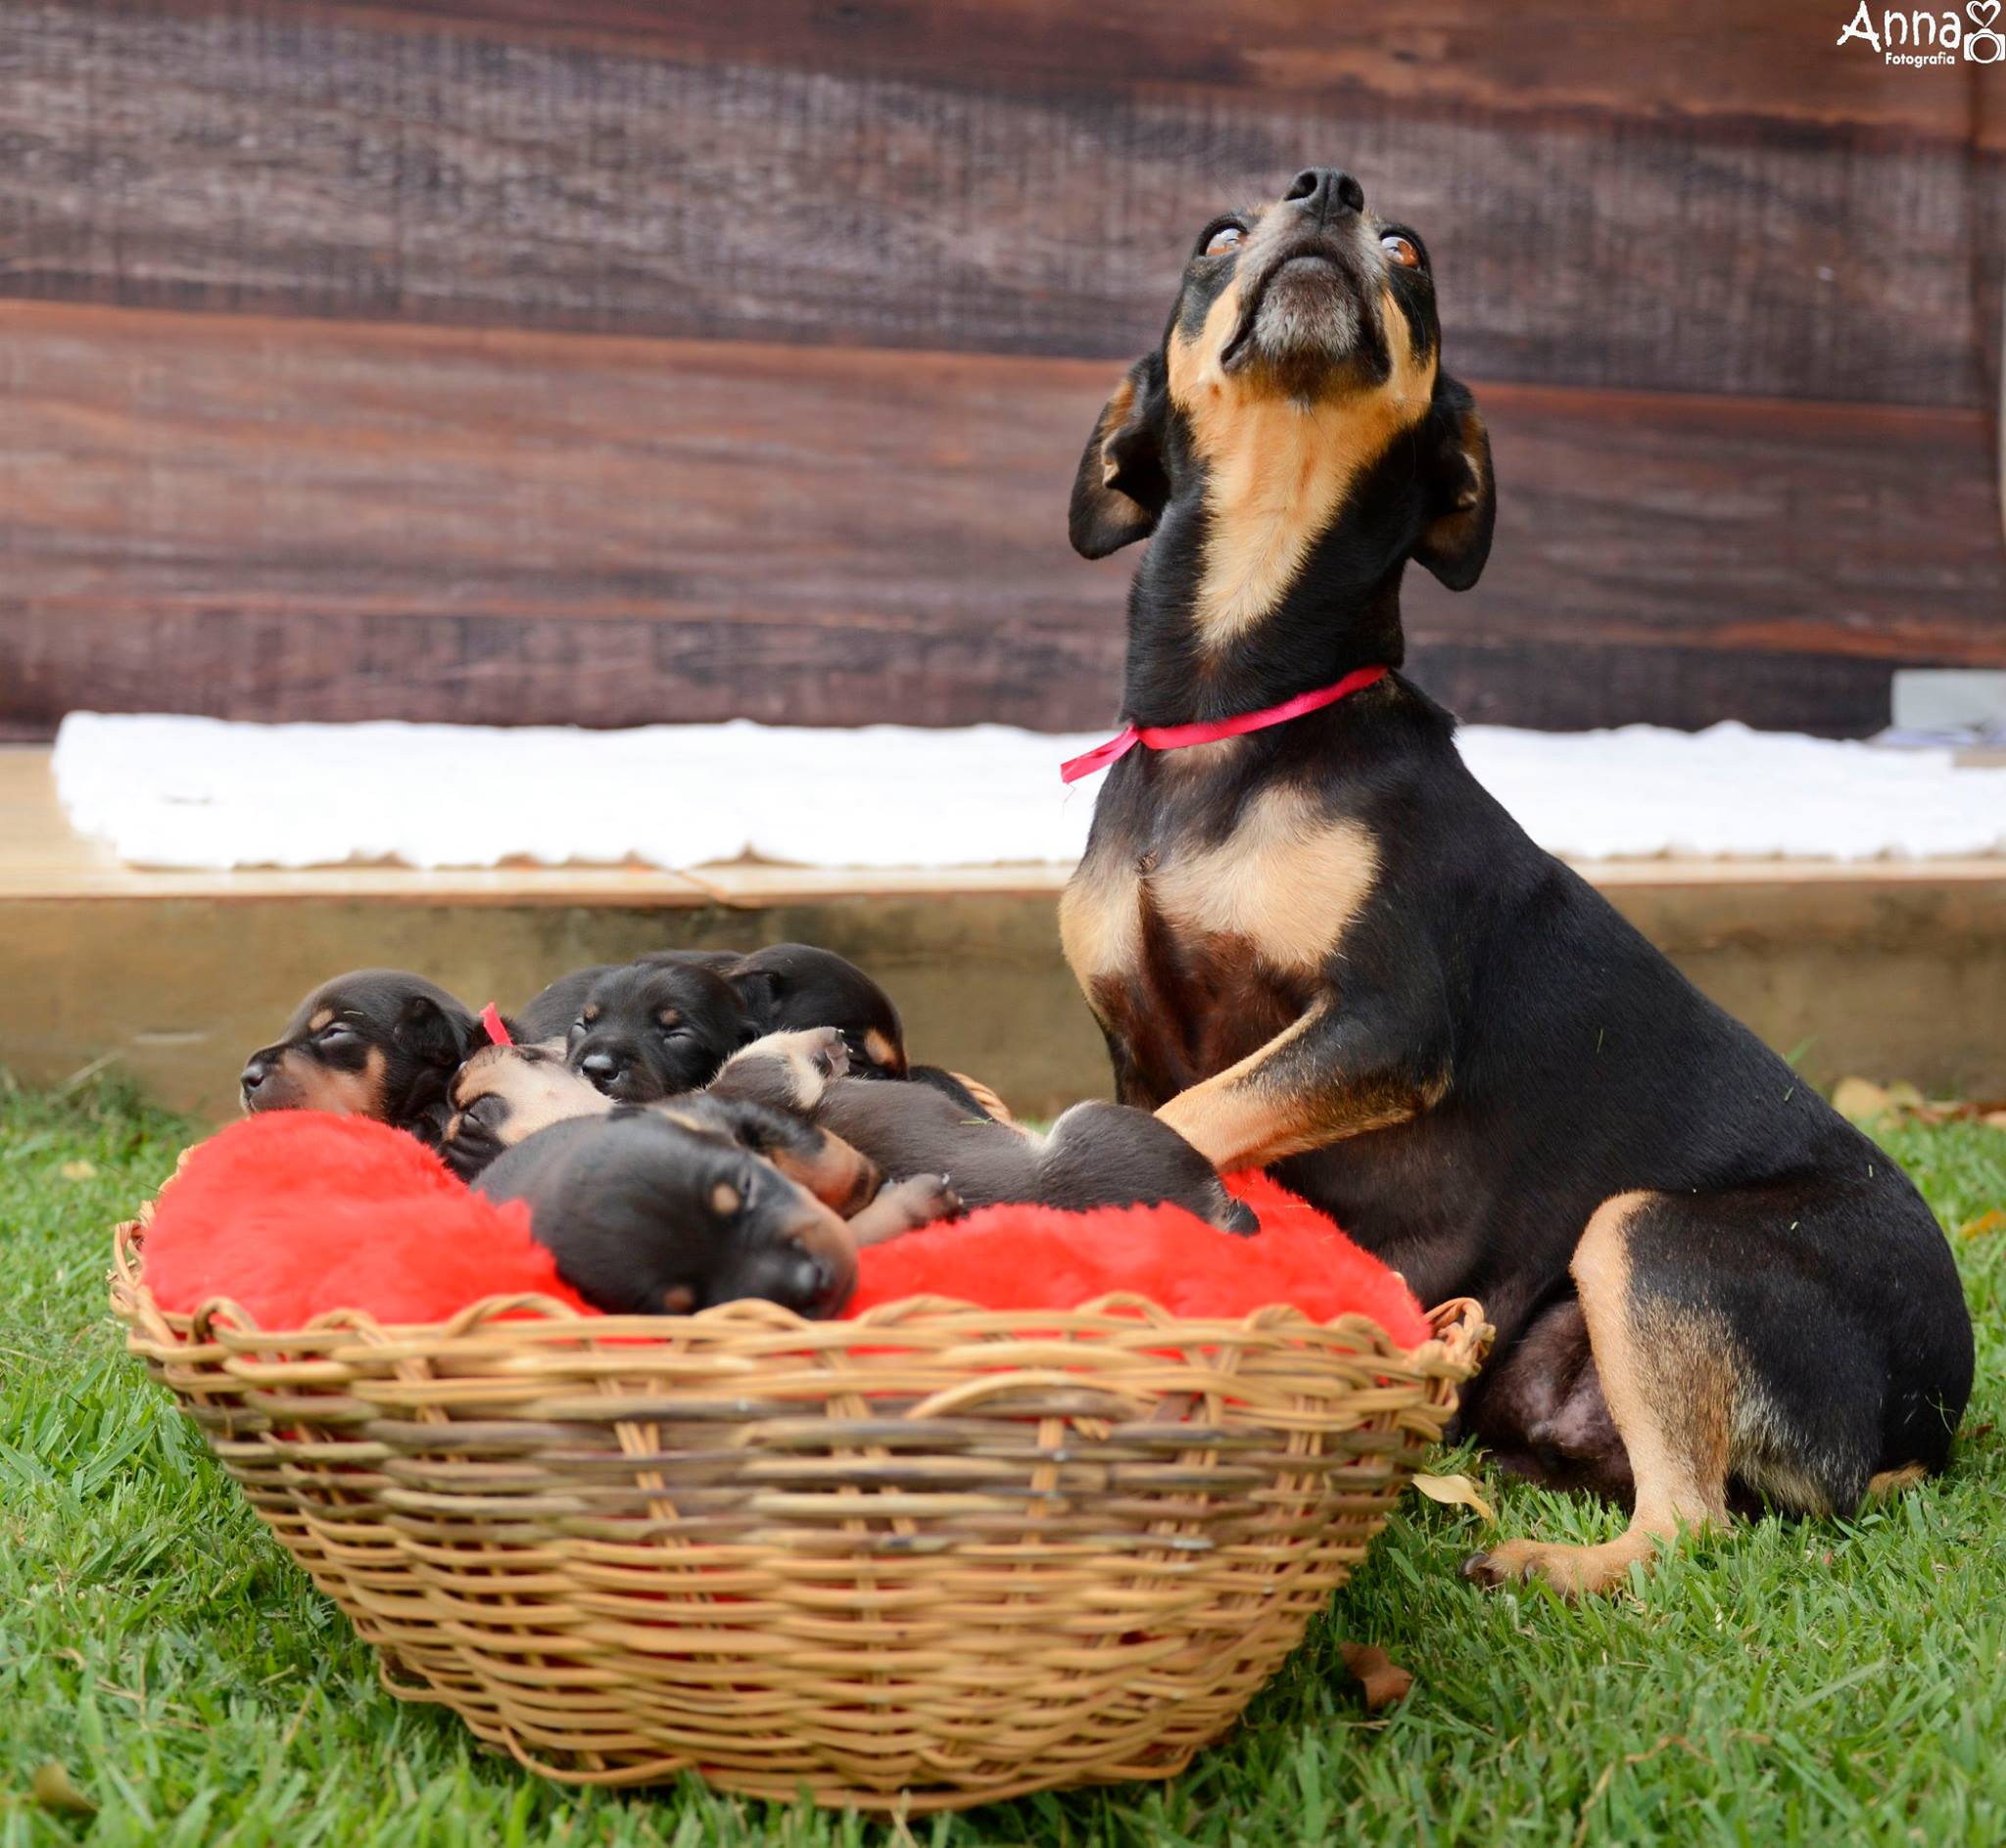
<point>1828,1682</point>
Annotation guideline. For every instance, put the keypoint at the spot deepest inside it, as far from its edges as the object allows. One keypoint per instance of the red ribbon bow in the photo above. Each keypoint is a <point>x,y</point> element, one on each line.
<point>1173,737</point>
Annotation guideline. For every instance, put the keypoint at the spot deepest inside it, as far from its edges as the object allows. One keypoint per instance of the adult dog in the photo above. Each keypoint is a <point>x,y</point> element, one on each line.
<point>1316,943</point>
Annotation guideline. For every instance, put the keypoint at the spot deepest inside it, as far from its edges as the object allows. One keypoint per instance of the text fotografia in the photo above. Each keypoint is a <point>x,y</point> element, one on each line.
<point>1922,37</point>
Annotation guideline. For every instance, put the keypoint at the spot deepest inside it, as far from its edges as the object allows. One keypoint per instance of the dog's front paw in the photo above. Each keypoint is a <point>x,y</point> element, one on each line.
<point>1572,1571</point>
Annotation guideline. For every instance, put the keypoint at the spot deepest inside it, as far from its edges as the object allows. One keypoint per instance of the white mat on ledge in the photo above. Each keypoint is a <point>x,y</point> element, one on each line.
<point>175,791</point>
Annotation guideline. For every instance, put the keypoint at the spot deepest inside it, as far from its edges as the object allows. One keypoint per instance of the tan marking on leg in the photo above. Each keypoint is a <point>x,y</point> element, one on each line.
<point>904,1207</point>
<point>1890,1483</point>
<point>985,1097</point>
<point>842,1177</point>
<point>1671,1387</point>
<point>1263,1108</point>
<point>1100,919</point>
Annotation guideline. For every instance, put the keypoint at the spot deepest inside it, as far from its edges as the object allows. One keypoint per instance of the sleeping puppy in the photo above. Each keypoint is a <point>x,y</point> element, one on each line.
<point>792,985</point>
<point>645,1217</point>
<point>653,1028</point>
<point>376,1042</point>
<point>1096,1155</point>
<point>650,1212</point>
<point>505,1094</point>
<point>779,989</point>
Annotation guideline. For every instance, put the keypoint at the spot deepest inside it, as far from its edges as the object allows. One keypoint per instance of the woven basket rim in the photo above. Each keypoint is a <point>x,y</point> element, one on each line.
<point>1460,1330</point>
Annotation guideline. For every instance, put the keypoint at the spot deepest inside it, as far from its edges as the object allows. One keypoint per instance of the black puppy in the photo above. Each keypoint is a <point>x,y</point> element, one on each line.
<point>652,1028</point>
<point>793,986</point>
<point>666,1210</point>
<point>376,1042</point>
<point>780,988</point>
<point>1097,1155</point>
<point>647,1218</point>
<point>1320,944</point>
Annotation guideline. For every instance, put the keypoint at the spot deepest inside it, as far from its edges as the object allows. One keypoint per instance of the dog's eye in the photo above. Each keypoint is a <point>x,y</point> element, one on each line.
<point>1224,238</point>
<point>1401,250</point>
<point>335,1030</point>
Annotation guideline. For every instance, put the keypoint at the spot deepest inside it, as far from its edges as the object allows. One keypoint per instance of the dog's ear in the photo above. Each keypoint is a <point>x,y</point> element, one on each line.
<point>1120,492</point>
<point>758,991</point>
<point>1463,493</point>
<point>433,1035</point>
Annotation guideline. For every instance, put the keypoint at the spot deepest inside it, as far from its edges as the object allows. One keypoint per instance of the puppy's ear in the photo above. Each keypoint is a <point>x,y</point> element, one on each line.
<point>1463,493</point>
<point>1119,490</point>
<point>432,1035</point>
<point>757,989</point>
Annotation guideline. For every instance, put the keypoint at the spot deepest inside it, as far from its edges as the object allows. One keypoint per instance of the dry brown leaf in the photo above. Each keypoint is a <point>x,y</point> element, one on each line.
<point>1382,1679</point>
<point>77,1170</point>
<point>1862,1101</point>
<point>1992,1221</point>
<point>54,1791</point>
<point>1859,1100</point>
<point>1455,1491</point>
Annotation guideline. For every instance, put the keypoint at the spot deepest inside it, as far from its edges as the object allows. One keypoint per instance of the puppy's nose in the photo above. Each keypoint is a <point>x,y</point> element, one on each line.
<point>805,1282</point>
<point>1325,192</point>
<point>255,1073</point>
<point>601,1068</point>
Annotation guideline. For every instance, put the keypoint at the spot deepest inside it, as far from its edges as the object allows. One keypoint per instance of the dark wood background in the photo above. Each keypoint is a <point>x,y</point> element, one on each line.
<point>497,360</point>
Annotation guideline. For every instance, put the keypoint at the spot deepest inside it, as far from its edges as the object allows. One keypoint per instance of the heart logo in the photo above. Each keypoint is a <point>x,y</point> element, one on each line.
<point>1982,13</point>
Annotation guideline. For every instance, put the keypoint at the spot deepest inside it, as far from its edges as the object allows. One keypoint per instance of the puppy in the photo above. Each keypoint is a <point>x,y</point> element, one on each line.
<point>652,1028</point>
<point>647,1218</point>
<point>1096,1155</point>
<point>791,986</point>
<point>376,1042</point>
<point>504,1095</point>
<point>779,989</point>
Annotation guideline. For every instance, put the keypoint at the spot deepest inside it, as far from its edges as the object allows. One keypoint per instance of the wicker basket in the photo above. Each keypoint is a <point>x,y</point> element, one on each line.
<point>931,1557</point>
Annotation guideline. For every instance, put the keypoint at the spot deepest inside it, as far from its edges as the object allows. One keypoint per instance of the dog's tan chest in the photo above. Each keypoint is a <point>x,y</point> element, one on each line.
<point>1194,952</point>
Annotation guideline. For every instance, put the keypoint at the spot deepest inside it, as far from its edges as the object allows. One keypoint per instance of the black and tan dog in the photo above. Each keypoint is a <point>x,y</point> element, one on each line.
<point>1321,946</point>
<point>376,1042</point>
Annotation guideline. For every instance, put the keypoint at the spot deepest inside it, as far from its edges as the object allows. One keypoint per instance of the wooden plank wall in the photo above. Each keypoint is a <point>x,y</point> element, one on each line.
<point>634,359</point>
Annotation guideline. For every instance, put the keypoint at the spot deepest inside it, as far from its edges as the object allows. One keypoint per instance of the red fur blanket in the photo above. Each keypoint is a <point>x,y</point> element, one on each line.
<point>292,1213</point>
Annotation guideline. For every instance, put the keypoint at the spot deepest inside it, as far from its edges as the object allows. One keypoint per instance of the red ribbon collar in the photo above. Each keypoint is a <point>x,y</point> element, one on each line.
<point>1173,737</point>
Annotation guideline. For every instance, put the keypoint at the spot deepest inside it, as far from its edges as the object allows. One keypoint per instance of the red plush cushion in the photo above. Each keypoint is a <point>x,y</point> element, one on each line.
<point>1037,1258</point>
<point>292,1213</point>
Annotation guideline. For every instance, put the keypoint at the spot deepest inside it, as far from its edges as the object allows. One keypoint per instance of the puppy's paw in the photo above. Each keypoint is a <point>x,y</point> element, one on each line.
<point>904,1207</point>
<point>923,1198</point>
<point>787,1071</point>
<point>825,1049</point>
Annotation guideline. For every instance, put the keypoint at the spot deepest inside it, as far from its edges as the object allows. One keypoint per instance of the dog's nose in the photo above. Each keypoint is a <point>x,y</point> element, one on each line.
<point>1325,191</point>
<point>601,1068</point>
<point>255,1071</point>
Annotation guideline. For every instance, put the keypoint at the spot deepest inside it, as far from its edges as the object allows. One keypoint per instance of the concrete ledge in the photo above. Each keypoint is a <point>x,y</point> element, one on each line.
<point>1891,970</point>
